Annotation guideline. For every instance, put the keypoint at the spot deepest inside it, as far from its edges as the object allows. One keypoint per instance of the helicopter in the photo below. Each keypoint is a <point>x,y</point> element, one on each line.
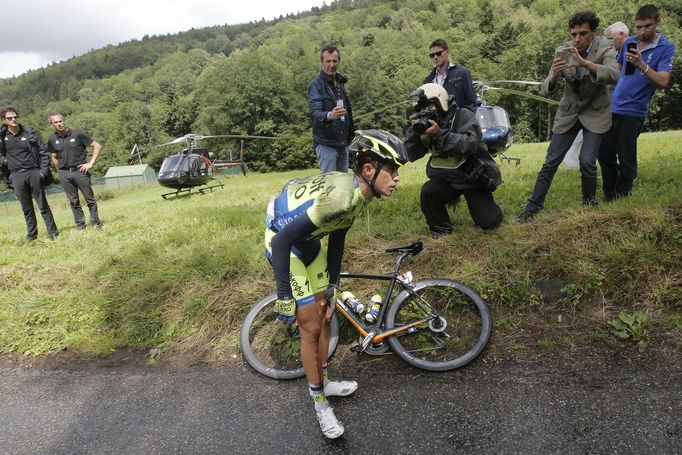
<point>498,133</point>
<point>193,167</point>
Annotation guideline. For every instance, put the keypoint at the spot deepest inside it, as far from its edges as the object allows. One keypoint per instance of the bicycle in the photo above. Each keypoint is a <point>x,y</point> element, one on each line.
<point>434,324</point>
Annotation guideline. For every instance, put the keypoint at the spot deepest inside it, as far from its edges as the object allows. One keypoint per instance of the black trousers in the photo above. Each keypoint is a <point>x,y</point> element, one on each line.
<point>72,181</point>
<point>29,185</point>
<point>437,192</point>
<point>618,158</point>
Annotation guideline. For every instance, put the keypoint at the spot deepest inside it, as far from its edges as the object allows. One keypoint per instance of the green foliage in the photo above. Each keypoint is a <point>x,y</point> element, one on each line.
<point>253,78</point>
<point>634,326</point>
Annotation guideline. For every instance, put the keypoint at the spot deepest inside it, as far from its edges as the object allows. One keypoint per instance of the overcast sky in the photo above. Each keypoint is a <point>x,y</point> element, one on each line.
<point>40,32</point>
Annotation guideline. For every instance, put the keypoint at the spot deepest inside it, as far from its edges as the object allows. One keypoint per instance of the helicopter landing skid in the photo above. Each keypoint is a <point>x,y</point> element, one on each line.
<point>203,189</point>
<point>188,190</point>
<point>509,159</point>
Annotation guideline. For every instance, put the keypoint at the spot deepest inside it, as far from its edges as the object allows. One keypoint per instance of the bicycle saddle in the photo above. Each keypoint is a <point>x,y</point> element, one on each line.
<point>413,249</point>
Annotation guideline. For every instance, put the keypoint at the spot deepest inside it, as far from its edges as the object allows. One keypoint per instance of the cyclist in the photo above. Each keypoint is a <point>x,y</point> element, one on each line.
<point>306,276</point>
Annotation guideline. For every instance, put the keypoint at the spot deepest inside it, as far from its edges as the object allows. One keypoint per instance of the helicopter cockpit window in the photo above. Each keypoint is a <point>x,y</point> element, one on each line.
<point>501,118</point>
<point>174,163</point>
<point>492,117</point>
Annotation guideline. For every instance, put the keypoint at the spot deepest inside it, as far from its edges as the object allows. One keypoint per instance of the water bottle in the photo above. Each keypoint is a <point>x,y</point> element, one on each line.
<point>406,277</point>
<point>373,309</point>
<point>352,302</point>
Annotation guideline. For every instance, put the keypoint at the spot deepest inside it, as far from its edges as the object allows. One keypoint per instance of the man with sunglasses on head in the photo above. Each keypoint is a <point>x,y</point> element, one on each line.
<point>646,62</point>
<point>68,151</point>
<point>587,66</point>
<point>29,164</point>
<point>455,79</point>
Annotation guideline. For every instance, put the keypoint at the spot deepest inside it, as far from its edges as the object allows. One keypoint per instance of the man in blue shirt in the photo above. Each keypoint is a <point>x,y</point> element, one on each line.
<point>646,61</point>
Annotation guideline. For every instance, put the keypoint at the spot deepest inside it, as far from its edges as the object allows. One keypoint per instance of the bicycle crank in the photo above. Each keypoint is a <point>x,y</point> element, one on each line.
<point>375,349</point>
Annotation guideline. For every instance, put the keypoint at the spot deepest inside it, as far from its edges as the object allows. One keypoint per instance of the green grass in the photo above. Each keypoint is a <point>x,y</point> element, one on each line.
<point>177,275</point>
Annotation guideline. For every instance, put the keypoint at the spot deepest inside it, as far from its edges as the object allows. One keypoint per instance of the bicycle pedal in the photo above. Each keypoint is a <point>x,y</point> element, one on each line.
<point>356,348</point>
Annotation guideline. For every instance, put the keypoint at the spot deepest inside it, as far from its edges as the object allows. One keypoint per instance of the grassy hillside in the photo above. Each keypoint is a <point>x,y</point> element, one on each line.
<point>170,276</point>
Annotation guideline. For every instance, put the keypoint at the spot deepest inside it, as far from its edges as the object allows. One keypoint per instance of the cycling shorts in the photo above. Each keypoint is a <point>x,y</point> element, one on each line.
<point>308,272</point>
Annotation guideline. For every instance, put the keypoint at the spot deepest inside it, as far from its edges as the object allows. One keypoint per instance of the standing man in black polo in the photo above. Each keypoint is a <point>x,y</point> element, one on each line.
<point>455,79</point>
<point>29,164</point>
<point>68,149</point>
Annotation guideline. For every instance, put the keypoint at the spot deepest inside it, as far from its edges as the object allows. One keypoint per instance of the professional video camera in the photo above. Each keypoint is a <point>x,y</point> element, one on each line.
<point>429,102</point>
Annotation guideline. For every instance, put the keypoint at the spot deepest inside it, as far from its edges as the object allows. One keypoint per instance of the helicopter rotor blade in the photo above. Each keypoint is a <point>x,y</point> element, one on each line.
<point>236,136</point>
<point>511,91</point>
<point>516,82</point>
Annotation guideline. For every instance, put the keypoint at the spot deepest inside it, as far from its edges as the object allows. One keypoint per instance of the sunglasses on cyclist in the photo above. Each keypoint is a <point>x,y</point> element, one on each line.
<point>11,117</point>
<point>436,54</point>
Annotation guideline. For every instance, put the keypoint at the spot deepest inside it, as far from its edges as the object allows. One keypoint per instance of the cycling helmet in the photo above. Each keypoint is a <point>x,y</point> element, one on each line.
<point>380,147</point>
<point>430,93</point>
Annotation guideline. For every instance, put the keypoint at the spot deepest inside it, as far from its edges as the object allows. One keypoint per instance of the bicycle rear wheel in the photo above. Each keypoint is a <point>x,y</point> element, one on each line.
<point>453,339</point>
<point>273,348</point>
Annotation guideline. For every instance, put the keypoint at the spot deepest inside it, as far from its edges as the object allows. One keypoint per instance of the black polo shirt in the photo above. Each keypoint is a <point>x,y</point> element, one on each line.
<point>71,149</point>
<point>19,152</point>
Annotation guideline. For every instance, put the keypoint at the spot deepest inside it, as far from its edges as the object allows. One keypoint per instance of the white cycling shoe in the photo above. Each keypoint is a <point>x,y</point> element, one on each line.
<point>340,388</point>
<point>329,424</point>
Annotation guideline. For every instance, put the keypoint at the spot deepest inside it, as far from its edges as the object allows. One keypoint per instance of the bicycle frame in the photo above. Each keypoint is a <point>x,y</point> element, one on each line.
<point>374,334</point>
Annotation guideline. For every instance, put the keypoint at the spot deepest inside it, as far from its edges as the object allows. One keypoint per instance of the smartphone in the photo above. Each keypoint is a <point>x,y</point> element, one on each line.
<point>565,55</point>
<point>339,103</point>
<point>629,67</point>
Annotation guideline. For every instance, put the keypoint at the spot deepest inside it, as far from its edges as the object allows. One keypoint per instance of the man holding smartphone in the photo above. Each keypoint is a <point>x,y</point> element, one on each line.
<point>646,61</point>
<point>331,112</point>
<point>584,106</point>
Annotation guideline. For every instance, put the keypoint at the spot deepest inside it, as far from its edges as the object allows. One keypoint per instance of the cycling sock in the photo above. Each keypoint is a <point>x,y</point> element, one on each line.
<point>317,393</point>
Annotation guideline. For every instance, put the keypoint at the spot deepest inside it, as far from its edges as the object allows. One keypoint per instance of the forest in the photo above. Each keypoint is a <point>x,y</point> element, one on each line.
<point>253,78</point>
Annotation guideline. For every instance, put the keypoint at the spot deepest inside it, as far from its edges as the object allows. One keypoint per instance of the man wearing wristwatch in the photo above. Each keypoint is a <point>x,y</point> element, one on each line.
<point>68,151</point>
<point>649,56</point>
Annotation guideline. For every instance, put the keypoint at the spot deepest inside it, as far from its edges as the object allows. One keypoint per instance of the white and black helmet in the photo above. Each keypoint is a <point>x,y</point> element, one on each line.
<point>431,93</point>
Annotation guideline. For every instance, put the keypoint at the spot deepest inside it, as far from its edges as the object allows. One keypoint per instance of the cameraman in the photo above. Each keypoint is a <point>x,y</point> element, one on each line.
<point>459,164</point>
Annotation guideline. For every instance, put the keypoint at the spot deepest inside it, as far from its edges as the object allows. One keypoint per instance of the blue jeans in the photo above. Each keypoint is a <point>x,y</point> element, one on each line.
<point>331,159</point>
<point>618,158</point>
<point>558,147</point>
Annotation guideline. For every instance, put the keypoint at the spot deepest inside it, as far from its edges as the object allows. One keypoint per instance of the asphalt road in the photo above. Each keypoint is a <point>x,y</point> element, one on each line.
<point>525,408</point>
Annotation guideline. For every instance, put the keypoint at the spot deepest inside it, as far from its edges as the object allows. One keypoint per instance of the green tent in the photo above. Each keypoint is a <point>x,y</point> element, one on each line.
<point>125,176</point>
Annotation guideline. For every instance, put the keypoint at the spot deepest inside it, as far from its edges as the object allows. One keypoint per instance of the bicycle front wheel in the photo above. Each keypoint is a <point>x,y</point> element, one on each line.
<point>458,329</point>
<point>273,348</point>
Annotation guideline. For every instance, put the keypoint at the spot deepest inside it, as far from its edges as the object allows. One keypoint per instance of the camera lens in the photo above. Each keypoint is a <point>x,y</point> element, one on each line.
<point>421,125</point>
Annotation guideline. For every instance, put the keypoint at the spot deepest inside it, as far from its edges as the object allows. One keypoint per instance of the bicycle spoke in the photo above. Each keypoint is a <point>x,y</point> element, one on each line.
<point>452,337</point>
<point>275,344</point>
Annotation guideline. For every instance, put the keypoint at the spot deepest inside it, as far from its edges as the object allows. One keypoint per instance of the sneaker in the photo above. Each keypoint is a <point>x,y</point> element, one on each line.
<point>590,202</point>
<point>329,424</point>
<point>340,388</point>
<point>524,217</point>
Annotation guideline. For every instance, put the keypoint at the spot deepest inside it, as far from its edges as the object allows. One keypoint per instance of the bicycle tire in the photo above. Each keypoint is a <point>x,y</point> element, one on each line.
<point>276,351</point>
<point>468,328</point>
